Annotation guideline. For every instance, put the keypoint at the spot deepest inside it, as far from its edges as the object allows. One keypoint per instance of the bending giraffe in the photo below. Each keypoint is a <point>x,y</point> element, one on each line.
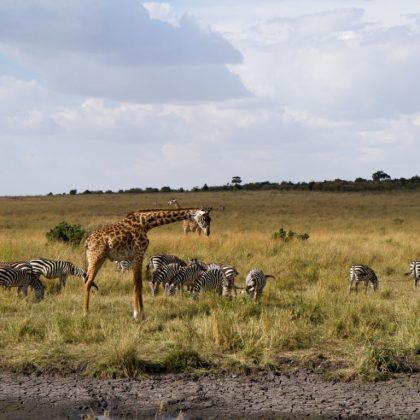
<point>127,240</point>
<point>187,225</point>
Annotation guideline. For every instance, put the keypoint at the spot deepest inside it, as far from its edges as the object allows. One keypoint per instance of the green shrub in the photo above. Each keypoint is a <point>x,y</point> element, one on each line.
<point>64,232</point>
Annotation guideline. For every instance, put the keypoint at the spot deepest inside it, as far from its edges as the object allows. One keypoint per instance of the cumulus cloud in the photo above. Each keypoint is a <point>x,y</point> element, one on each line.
<point>116,50</point>
<point>334,64</point>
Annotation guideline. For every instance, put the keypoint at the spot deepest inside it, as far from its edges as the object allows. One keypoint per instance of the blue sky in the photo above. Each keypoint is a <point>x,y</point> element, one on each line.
<point>99,94</point>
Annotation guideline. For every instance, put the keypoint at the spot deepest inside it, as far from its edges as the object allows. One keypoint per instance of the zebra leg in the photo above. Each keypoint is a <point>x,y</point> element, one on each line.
<point>63,281</point>
<point>366,285</point>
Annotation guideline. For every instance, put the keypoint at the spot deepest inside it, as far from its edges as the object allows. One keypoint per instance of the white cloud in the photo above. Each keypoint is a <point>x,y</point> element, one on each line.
<point>115,50</point>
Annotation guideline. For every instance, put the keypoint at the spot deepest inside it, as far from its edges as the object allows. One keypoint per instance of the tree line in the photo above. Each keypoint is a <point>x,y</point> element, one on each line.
<point>380,181</point>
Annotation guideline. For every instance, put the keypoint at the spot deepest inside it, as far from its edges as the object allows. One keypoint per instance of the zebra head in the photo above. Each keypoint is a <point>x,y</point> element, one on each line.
<point>203,219</point>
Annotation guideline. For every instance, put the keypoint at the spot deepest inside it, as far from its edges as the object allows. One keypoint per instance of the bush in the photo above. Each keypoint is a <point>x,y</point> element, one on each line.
<point>64,232</point>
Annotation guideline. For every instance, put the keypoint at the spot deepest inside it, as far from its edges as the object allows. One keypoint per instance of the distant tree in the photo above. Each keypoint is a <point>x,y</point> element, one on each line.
<point>73,192</point>
<point>380,175</point>
<point>236,181</point>
<point>205,187</point>
<point>120,191</point>
<point>165,189</point>
<point>360,180</point>
<point>181,190</point>
<point>50,193</point>
<point>87,192</point>
<point>108,192</point>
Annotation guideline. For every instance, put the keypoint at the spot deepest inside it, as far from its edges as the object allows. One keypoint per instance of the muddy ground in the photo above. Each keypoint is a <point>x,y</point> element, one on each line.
<point>261,395</point>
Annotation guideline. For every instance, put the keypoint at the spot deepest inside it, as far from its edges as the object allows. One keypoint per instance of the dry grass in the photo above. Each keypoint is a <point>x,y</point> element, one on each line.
<point>306,314</point>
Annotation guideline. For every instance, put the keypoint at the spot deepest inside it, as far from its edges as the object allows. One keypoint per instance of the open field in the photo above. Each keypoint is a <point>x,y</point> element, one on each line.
<point>306,316</point>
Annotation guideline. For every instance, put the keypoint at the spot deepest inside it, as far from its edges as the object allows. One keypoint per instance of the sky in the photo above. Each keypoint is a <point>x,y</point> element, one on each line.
<point>105,94</point>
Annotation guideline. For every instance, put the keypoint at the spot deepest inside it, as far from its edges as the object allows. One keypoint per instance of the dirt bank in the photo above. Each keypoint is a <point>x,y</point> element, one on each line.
<point>266,395</point>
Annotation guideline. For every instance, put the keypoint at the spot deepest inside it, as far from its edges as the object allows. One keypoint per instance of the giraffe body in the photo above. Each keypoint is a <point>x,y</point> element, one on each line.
<point>127,240</point>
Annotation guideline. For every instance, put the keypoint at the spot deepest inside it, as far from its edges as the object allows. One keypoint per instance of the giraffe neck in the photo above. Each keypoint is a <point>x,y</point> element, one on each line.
<point>154,218</point>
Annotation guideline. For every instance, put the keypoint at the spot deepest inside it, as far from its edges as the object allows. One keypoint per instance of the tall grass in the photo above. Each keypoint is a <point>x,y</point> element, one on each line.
<point>305,312</point>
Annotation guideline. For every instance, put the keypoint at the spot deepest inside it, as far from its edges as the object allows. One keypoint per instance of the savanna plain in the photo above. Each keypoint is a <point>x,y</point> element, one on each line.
<point>306,317</point>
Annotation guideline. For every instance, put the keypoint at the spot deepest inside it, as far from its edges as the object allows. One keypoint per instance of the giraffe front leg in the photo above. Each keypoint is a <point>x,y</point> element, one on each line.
<point>138,288</point>
<point>93,269</point>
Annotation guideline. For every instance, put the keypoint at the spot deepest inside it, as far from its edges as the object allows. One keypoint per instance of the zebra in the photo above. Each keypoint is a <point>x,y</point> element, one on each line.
<point>163,275</point>
<point>212,279</point>
<point>122,266</point>
<point>185,276</point>
<point>415,272</point>
<point>362,273</point>
<point>14,277</point>
<point>255,282</point>
<point>52,269</point>
<point>157,261</point>
<point>229,271</point>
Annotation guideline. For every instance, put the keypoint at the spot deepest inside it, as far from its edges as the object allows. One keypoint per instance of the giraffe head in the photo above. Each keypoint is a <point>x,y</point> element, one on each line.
<point>203,219</point>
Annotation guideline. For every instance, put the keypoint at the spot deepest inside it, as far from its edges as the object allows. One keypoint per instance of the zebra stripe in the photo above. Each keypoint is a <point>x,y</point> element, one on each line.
<point>122,266</point>
<point>52,269</point>
<point>13,277</point>
<point>212,279</point>
<point>185,276</point>
<point>229,271</point>
<point>414,272</point>
<point>255,282</point>
<point>157,261</point>
<point>163,275</point>
<point>362,273</point>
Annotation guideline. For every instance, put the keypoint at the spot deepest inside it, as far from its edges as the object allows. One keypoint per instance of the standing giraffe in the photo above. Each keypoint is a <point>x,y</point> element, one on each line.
<point>127,240</point>
<point>187,225</point>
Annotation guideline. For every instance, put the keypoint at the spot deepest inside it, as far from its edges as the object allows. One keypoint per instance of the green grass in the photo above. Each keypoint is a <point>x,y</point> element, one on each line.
<point>306,313</point>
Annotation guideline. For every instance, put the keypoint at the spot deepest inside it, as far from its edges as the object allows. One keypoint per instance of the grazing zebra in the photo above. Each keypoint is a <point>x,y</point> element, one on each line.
<point>185,276</point>
<point>52,269</point>
<point>157,261</point>
<point>415,272</point>
<point>163,275</point>
<point>229,271</point>
<point>187,225</point>
<point>362,273</point>
<point>122,266</point>
<point>13,277</point>
<point>255,282</point>
<point>212,279</point>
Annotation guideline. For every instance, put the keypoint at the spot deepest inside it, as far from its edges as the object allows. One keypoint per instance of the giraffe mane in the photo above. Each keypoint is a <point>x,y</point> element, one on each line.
<point>164,210</point>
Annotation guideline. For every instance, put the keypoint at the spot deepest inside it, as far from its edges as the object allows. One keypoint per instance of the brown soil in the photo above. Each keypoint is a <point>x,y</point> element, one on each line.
<point>260,395</point>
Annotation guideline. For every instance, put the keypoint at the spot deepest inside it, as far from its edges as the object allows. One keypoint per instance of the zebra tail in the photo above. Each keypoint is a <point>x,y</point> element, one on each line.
<point>269,275</point>
<point>407,274</point>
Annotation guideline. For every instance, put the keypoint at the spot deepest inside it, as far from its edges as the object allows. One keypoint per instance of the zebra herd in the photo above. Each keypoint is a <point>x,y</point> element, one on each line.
<point>24,274</point>
<point>169,271</point>
<point>172,273</point>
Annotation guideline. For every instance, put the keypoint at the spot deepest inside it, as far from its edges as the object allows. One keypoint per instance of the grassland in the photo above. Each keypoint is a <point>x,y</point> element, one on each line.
<point>306,316</point>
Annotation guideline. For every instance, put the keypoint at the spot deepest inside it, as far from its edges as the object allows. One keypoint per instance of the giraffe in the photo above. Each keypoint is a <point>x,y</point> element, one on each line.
<point>187,225</point>
<point>127,240</point>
